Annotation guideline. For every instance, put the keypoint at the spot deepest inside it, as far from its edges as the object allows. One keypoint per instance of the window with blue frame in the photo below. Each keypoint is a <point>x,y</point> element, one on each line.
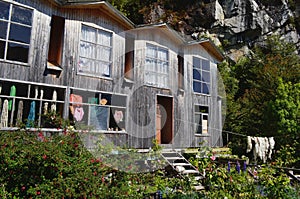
<point>201,75</point>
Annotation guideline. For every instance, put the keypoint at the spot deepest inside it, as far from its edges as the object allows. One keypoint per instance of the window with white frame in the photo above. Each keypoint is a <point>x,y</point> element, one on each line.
<point>15,32</point>
<point>201,75</point>
<point>157,66</point>
<point>95,52</point>
<point>201,119</point>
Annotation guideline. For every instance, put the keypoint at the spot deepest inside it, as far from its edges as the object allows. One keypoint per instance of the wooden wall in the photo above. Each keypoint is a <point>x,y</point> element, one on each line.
<point>141,99</point>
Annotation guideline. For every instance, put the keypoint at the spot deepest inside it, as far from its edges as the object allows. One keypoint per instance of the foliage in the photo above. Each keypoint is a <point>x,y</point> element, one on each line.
<point>264,94</point>
<point>59,166</point>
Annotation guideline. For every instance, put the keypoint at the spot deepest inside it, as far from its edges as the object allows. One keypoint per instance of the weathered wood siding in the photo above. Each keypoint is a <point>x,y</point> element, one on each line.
<point>211,100</point>
<point>141,98</point>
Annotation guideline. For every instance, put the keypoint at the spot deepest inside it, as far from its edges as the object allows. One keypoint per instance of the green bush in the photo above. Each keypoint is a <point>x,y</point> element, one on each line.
<point>35,166</point>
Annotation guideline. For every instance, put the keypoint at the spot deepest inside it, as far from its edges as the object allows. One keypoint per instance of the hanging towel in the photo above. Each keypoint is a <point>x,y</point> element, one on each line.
<point>12,93</point>
<point>4,114</point>
<point>45,108</point>
<point>54,98</point>
<point>19,113</point>
<point>31,116</point>
<point>249,144</point>
<point>78,114</point>
<point>271,147</point>
<point>118,116</point>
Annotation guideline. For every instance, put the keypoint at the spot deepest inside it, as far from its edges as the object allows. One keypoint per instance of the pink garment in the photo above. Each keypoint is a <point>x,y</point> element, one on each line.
<point>78,113</point>
<point>118,116</point>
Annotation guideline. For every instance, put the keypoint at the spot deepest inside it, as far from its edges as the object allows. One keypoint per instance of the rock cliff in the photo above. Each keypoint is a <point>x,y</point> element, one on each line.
<point>235,25</point>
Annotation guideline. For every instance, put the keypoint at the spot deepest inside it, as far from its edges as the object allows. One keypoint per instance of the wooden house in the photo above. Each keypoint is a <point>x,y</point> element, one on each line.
<point>88,63</point>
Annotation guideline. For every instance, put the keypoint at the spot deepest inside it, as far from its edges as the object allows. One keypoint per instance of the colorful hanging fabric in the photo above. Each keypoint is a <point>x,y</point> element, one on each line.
<point>54,98</point>
<point>31,116</point>
<point>4,115</point>
<point>78,114</point>
<point>19,113</point>
<point>12,93</point>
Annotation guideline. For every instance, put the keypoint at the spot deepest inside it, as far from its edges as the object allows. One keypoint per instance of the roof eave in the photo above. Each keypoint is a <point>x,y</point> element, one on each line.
<point>120,17</point>
<point>210,47</point>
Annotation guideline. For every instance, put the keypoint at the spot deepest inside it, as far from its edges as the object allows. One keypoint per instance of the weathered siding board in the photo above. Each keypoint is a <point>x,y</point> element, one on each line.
<point>141,98</point>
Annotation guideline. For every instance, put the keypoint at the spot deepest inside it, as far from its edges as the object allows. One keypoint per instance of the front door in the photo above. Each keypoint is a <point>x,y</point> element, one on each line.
<point>164,120</point>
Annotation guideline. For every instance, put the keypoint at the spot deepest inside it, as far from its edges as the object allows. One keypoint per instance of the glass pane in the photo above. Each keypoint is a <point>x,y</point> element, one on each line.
<point>205,65</point>
<point>104,38</point>
<point>4,7</point>
<point>206,77</point>
<point>3,29</point>
<point>21,15</point>
<point>2,49</point>
<point>88,50</point>
<point>19,33</point>
<point>105,69</point>
<point>17,52</point>
<point>205,88</point>
<point>88,34</point>
<point>151,51</point>
<point>196,74</point>
<point>85,65</point>
<point>196,62</point>
<point>150,64</point>
<point>197,87</point>
<point>103,53</point>
<point>162,54</point>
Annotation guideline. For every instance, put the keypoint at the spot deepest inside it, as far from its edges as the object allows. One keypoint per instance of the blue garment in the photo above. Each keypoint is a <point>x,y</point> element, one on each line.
<point>31,116</point>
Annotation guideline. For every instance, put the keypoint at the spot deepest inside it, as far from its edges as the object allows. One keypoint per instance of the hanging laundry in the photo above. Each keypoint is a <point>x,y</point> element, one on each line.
<point>118,116</point>
<point>249,144</point>
<point>42,94</point>
<point>12,93</point>
<point>262,149</point>
<point>78,114</point>
<point>31,116</point>
<point>45,108</point>
<point>54,98</point>
<point>19,113</point>
<point>4,115</point>
<point>271,146</point>
<point>36,92</point>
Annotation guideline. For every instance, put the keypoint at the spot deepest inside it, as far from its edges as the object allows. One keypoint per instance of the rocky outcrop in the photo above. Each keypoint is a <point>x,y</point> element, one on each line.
<point>238,24</point>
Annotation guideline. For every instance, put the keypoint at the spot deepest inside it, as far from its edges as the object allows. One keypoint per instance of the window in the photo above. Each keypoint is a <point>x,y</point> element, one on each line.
<point>201,75</point>
<point>157,66</point>
<point>56,41</point>
<point>95,52</point>
<point>30,103</point>
<point>201,119</point>
<point>100,111</point>
<point>15,32</point>
<point>129,57</point>
<point>180,72</point>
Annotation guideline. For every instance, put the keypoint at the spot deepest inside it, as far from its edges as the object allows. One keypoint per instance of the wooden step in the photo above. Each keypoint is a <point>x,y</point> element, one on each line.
<point>181,164</point>
<point>190,171</point>
<point>199,187</point>
<point>174,158</point>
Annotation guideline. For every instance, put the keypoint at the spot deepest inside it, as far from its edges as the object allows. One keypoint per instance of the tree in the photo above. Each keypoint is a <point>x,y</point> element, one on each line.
<point>258,78</point>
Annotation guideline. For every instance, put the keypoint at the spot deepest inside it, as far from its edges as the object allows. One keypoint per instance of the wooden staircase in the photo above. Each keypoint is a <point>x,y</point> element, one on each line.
<point>182,167</point>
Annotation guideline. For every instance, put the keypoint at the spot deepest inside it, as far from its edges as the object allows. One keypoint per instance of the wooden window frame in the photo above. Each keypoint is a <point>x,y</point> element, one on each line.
<point>156,72</point>
<point>199,124</point>
<point>10,22</point>
<point>93,73</point>
<point>92,99</point>
<point>203,82</point>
